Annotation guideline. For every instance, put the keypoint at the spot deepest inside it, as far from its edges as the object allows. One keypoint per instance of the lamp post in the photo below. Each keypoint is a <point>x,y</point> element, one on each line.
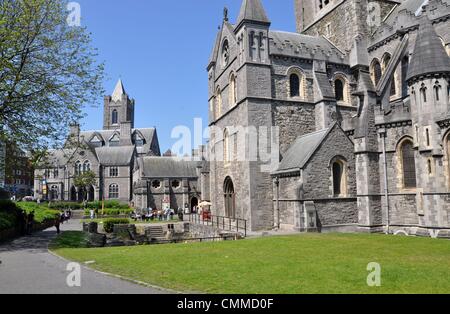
<point>277,184</point>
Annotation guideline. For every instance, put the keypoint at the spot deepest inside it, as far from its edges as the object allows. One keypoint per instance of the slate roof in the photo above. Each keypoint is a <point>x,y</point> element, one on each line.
<point>168,167</point>
<point>304,46</point>
<point>252,10</point>
<point>429,55</point>
<point>115,156</point>
<point>56,158</point>
<point>301,151</point>
<point>148,134</point>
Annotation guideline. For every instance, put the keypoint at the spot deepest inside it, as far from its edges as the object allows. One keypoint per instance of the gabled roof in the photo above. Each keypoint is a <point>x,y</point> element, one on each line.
<point>148,134</point>
<point>115,156</point>
<point>302,150</point>
<point>168,167</point>
<point>252,11</point>
<point>429,55</point>
<point>56,158</point>
<point>118,91</point>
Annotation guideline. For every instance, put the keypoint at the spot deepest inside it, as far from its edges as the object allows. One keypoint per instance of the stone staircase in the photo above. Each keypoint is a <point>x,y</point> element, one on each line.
<point>155,232</point>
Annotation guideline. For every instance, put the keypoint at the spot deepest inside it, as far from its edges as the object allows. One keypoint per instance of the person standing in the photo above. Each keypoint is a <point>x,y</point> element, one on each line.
<point>58,223</point>
<point>30,223</point>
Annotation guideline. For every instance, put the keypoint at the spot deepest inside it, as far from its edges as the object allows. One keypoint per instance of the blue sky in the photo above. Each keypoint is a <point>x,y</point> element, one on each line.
<point>160,49</point>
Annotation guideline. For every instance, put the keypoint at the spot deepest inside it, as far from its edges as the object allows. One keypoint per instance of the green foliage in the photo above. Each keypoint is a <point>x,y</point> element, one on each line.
<point>41,212</point>
<point>65,205</point>
<point>7,221</point>
<point>108,224</point>
<point>9,214</point>
<point>108,204</point>
<point>49,72</point>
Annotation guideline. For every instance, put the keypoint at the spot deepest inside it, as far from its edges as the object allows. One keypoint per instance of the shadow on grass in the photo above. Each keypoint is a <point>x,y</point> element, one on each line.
<point>70,240</point>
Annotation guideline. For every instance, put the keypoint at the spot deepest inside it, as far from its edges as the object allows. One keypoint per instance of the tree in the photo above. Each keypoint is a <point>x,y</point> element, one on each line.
<point>48,72</point>
<point>85,181</point>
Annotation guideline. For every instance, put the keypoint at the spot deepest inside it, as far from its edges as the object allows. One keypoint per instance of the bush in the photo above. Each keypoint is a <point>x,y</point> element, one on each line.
<point>108,224</point>
<point>41,212</point>
<point>108,204</point>
<point>9,214</point>
<point>65,205</point>
<point>110,211</point>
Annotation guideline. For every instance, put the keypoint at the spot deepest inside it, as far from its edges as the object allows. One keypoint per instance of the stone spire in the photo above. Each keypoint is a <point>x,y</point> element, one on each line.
<point>118,91</point>
<point>429,55</point>
<point>252,11</point>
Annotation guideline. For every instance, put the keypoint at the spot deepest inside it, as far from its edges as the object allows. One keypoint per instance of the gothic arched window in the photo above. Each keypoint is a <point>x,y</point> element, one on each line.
<point>114,191</point>
<point>408,161</point>
<point>294,85</point>
<point>225,53</point>
<point>229,198</point>
<point>78,168</point>
<point>114,117</point>
<point>423,93</point>
<point>233,90</point>
<point>437,91</point>
<point>86,166</point>
<point>226,147</point>
<point>339,89</point>
<point>339,172</point>
<point>376,72</point>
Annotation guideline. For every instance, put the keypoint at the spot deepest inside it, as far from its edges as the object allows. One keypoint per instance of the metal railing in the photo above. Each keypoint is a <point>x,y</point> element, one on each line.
<point>223,223</point>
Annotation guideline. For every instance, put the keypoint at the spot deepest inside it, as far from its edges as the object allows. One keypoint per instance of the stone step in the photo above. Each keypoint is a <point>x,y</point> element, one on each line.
<point>155,232</point>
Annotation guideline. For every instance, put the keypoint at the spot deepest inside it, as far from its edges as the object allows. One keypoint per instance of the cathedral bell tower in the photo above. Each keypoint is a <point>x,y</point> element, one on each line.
<point>118,109</point>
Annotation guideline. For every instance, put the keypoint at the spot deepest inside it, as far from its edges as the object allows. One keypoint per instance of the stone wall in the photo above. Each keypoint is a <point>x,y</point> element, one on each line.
<point>293,121</point>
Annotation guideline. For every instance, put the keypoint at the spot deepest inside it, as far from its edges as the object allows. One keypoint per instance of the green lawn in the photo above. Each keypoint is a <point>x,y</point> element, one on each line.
<point>331,263</point>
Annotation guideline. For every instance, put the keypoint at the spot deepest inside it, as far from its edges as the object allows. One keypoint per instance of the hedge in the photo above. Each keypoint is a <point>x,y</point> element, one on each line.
<point>41,212</point>
<point>108,224</point>
<point>91,205</point>
<point>110,211</point>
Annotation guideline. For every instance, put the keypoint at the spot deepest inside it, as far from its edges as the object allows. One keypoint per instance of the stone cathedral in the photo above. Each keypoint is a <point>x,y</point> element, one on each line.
<point>359,97</point>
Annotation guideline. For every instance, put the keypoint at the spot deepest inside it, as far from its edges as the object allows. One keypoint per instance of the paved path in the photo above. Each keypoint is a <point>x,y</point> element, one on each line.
<point>28,268</point>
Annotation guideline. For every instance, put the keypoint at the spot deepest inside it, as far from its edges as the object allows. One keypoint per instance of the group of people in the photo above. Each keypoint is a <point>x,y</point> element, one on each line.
<point>151,214</point>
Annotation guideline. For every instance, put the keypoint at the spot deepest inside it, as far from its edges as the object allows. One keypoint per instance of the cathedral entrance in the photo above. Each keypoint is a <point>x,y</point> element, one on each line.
<point>91,194</point>
<point>229,198</point>
<point>194,203</point>
<point>81,194</point>
<point>73,194</point>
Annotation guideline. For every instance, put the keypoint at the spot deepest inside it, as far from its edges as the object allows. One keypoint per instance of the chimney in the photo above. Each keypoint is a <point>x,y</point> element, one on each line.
<point>125,134</point>
<point>74,130</point>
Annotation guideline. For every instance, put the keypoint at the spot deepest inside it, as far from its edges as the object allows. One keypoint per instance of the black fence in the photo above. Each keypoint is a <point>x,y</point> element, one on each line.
<point>223,223</point>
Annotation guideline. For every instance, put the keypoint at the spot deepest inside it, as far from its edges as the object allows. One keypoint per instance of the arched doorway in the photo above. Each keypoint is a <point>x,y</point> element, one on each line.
<point>81,194</point>
<point>229,198</point>
<point>194,203</point>
<point>73,194</point>
<point>91,194</point>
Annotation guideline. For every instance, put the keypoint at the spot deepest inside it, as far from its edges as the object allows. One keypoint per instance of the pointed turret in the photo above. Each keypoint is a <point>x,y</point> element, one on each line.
<point>118,108</point>
<point>252,11</point>
<point>119,91</point>
<point>429,55</point>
